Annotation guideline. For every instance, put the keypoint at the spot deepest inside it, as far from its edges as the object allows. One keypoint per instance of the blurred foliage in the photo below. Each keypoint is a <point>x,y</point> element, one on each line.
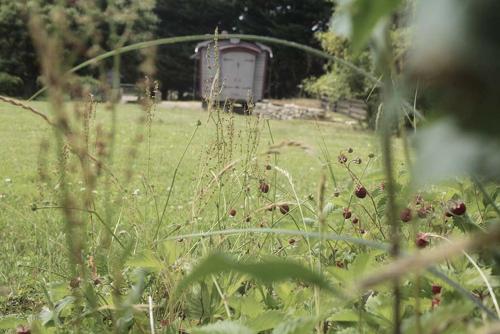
<point>455,54</point>
<point>10,84</point>
<point>18,62</point>
<point>91,26</point>
<point>340,82</point>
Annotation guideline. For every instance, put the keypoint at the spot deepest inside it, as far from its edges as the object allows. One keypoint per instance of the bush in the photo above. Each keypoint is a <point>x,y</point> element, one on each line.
<point>10,85</point>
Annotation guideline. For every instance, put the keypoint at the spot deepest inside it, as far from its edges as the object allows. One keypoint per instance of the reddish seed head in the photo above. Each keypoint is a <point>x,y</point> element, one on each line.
<point>436,289</point>
<point>422,240</point>
<point>268,167</point>
<point>23,330</point>
<point>419,200</point>
<point>355,220</point>
<point>75,282</point>
<point>435,302</point>
<point>382,186</point>
<point>458,208</point>
<point>362,231</point>
<point>342,158</point>
<point>347,213</point>
<point>422,212</point>
<point>284,208</point>
<point>406,215</point>
<point>360,192</point>
<point>232,212</point>
<point>291,241</point>
<point>264,187</point>
<point>339,264</point>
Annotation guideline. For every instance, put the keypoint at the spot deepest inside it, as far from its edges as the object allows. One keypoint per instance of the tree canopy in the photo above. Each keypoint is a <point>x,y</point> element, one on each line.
<point>294,20</point>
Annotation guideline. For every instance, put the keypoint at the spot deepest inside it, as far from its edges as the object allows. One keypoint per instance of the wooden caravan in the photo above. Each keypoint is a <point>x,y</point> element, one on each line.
<point>241,68</point>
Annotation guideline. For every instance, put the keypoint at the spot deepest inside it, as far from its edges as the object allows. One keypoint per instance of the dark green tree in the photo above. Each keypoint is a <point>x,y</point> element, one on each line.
<point>92,27</point>
<point>294,20</point>
<point>18,65</point>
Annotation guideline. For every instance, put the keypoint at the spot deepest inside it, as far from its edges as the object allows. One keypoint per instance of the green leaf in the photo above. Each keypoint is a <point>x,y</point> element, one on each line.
<point>295,326</point>
<point>172,250</point>
<point>364,16</point>
<point>146,259</point>
<point>465,224</point>
<point>202,303</point>
<point>447,317</point>
<point>63,306</point>
<point>265,321</point>
<point>345,316</point>
<point>11,321</point>
<point>247,305</point>
<point>268,271</point>
<point>224,327</point>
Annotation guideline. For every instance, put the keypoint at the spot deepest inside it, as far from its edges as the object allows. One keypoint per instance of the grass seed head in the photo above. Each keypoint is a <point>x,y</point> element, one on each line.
<point>436,289</point>
<point>458,208</point>
<point>406,215</point>
<point>284,208</point>
<point>264,187</point>
<point>360,192</point>
<point>422,240</point>
<point>347,213</point>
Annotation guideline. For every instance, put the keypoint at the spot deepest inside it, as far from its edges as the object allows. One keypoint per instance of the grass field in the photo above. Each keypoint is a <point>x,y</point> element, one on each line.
<point>33,248</point>
<point>251,189</point>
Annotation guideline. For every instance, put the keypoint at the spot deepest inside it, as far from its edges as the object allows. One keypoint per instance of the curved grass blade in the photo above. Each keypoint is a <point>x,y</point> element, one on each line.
<point>330,236</point>
<point>197,38</point>
<point>267,271</point>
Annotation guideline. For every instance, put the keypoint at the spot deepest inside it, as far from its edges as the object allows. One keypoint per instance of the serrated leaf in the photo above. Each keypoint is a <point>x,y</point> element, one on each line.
<point>265,321</point>
<point>267,271</point>
<point>295,326</point>
<point>465,224</point>
<point>11,321</point>
<point>248,305</point>
<point>173,250</point>
<point>223,327</point>
<point>443,317</point>
<point>345,316</point>
<point>360,264</point>
<point>147,260</point>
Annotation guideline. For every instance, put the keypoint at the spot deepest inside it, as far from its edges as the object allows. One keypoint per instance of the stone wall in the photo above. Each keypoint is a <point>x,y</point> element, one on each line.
<point>267,109</point>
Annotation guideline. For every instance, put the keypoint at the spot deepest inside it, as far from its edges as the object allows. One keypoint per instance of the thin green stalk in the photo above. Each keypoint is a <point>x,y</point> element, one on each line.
<point>92,212</point>
<point>173,181</point>
<point>486,195</point>
<point>331,236</point>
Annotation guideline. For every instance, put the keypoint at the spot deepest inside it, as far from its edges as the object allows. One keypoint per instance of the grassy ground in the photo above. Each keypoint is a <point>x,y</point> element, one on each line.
<point>33,248</point>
